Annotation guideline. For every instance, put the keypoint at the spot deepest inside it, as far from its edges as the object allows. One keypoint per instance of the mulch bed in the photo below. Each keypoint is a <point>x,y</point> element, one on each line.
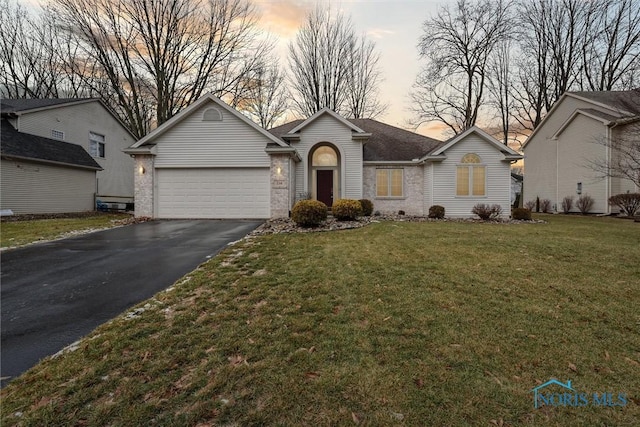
<point>31,217</point>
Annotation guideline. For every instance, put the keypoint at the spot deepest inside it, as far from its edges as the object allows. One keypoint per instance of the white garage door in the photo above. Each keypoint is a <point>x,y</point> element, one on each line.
<point>213,193</point>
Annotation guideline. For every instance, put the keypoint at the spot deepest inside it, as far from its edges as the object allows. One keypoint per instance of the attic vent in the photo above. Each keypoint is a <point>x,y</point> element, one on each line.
<point>212,115</point>
<point>57,134</point>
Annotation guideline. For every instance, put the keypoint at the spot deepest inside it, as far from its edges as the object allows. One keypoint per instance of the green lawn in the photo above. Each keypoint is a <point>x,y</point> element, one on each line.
<point>393,324</point>
<point>18,233</point>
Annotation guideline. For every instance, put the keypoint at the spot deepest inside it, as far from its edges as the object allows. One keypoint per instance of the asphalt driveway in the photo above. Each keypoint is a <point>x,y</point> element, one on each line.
<point>54,293</point>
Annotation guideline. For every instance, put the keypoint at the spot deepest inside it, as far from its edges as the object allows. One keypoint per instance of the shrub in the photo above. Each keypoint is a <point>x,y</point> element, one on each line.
<point>585,203</point>
<point>486,212</point>
<point>545,205</point>
<point>567,204</point>
<point>367,207</point>
<point>309,213</point>
<point>401,212</point>
<point>436,211</point>
<point>521,214</point>
<point>629,203</point>
<point>531,205</point>
<point>346,209</point>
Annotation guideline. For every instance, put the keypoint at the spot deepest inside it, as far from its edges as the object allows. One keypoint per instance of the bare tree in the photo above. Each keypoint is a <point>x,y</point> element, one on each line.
<point>457,45</point>
<point>331,67</point>
<point>611,47</point>
<point>266,99</point>
<point>499,84</point>
<point>152,58</point>
<point>363,79</point>
<point>26,60</point>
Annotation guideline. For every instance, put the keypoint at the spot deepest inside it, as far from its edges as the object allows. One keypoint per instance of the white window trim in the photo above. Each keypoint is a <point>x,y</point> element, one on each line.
<point>389,197</point>
<point>96,153</point>
<point>470,166</point>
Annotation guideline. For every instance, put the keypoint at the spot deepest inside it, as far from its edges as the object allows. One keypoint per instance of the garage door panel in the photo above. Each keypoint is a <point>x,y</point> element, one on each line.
<point>213,193</point>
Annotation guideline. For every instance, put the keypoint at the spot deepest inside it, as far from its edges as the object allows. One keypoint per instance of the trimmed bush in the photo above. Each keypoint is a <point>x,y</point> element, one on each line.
<point>521,214</point>
<point>346,209</point>
<point>567,204</point>
<point>367,207</point>
<point>309,213</point>
<point>629,203</point>
<point>486,212</point>
<point>436,211</point>
<point>585,203</point>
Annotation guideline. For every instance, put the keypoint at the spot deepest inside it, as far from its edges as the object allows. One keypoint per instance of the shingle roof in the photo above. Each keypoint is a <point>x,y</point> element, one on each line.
<point>37,148</point>
<point>386,143</point>
<point>627,100</point>
<point>18,105</point>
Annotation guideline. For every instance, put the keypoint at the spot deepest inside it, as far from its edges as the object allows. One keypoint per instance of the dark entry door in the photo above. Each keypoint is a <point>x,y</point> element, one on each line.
<point>324,190</point>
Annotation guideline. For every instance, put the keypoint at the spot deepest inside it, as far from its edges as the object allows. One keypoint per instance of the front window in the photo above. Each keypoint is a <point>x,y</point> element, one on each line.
<point>96,145</point>
<point>471,176</point>
<point>389,182</point>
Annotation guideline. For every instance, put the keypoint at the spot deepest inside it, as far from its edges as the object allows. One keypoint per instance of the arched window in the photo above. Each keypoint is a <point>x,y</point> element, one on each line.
<point>471,178</point>
<point>324,156</point>
<point>212,115</point>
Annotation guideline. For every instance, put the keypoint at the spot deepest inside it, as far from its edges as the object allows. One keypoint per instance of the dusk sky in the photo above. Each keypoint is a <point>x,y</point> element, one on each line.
<point>395,26</point>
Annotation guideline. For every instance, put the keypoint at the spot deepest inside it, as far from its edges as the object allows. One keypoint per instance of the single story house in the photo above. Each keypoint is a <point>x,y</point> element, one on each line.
<point>88,123</point>
<point>43,175</point>
<point>579,133</point>
<point>210,161</point>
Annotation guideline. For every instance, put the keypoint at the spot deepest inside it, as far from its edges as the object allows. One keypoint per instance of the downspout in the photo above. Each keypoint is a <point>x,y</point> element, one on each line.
<point>607,188</point>
<point>557,179</point>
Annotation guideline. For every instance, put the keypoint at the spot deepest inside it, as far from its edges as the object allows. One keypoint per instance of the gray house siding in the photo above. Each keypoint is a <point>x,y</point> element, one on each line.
<point>29,187</point>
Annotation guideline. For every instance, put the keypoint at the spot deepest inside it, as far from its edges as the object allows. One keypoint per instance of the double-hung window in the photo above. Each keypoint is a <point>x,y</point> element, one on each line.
<point>389,182</point>
<point>96,144</point>
<point>471,176</point>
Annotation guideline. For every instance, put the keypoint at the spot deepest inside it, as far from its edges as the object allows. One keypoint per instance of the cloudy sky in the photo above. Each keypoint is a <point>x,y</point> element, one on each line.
<point>395,26</point>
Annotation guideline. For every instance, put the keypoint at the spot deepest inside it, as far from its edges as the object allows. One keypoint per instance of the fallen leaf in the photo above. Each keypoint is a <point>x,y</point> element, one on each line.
<point>573,367</point>
<point>633,362</point>
<point>312,349</point>
<point>419,382</point>
<point>312,375</point>
<point>606,355</point>
<point>146,355</point>
<point>386,318</point>
<point>355,418</point>
<point>237,360</point>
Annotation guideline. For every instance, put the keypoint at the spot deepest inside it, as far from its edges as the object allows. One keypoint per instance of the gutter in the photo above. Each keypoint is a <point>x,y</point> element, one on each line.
<point>53,162</point>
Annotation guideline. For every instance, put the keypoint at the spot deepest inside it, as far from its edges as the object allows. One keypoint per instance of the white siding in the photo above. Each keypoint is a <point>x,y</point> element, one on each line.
<point>552,168</point>
<point>213,193</point>
<point>498,178</point>
<point>76,121</point>
<point>579,145</point>
<point>39,188</point>
<point>195,143</point>
<point>327,129</point>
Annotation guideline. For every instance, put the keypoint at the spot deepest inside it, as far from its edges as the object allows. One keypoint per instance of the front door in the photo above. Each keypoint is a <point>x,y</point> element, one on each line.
<point>324,190</point>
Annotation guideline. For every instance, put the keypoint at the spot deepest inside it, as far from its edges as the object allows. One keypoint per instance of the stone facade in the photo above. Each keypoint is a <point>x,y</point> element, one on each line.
<point>144,174</point>
<point>412,201</point>
<point>281,175</point>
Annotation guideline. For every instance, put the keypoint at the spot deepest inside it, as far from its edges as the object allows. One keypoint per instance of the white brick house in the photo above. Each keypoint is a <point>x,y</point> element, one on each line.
<point>210,161</point>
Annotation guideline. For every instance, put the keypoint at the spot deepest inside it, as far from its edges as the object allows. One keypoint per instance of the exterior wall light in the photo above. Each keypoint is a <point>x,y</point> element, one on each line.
<point>141,170</point>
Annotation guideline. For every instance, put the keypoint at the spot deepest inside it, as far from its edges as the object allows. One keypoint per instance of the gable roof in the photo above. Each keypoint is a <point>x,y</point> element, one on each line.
<point>508,152</point>
<point>326,110</point>
<point>151,136</point>
<point>385,143</point>
<point>624,104</point>
<point>626,101</point>
<point>36,148</point>
<point>25,105</point>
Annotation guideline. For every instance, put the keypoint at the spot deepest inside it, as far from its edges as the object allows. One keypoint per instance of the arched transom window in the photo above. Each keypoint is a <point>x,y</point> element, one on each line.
<point>324,156</point>
<point>471,178</point>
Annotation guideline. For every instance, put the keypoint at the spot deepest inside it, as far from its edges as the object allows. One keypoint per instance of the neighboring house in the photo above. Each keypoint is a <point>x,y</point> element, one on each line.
<point>210,161</point>
<point>88,123</point>
<point>516,189</point>
<point>577,131</point>
<point>42,175</point>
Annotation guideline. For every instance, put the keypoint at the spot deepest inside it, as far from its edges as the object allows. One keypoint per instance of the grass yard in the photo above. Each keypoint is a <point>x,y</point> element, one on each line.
<point>410,324</point>
<point>19,233</point>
